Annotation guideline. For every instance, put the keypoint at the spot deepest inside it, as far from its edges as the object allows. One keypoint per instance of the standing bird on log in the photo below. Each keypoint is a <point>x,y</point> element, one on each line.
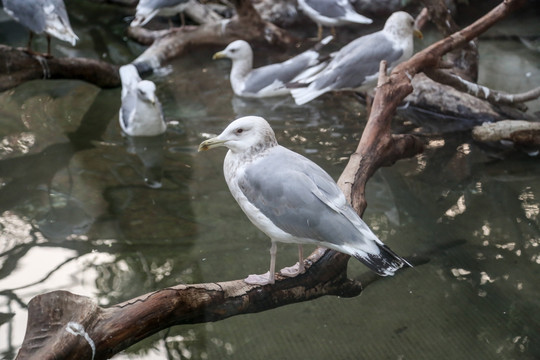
<point>292,200</point>
<point>356,65</point>
<point>269,80</point>
<point>331,13</point>
<point>140,113</point>
<point>42,16</point>
<point>147,9</point>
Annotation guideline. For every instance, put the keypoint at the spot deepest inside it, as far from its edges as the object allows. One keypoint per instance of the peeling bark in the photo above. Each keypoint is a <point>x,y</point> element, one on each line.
<point>525,132</point>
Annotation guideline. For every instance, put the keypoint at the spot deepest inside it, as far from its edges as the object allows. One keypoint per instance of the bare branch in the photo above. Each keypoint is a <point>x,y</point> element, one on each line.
<point>493,96</point>
<point>18,66</point>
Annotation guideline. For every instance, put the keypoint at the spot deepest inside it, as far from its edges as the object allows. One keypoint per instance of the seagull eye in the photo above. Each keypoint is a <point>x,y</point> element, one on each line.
<point>239,131</point>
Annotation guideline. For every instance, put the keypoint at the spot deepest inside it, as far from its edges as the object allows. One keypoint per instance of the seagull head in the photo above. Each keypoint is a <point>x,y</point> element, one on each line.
<point>237,50</point>
<point>249,133</point>
<point>146,90</point>
<point>401,24</point>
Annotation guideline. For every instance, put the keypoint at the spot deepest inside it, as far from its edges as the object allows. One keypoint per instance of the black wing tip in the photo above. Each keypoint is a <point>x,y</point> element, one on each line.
<point>384,264</point>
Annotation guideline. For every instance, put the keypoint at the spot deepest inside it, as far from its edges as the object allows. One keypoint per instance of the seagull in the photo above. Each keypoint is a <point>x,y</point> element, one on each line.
<point>269,80</point>
<point>42,16</point>
<point>140,113</point>
<point>292,200</point>
<point>331,13</point>
<point>356,65</point>
<point>147,9</point>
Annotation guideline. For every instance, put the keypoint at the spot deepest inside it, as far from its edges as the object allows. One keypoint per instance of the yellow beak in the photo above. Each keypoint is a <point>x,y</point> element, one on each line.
<point>211,143</point>
<point>418,33</point>
<point>219,55</point>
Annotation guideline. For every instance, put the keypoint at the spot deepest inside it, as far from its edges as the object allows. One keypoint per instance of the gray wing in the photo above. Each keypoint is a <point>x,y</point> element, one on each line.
<point>329,8</point>
<point>28,13</point>
<point>356,61</point>
<point>129,103</point>
<point>284,72</point>
<point>301,198</point>
<point>158,4</point>
<point>60,10</point>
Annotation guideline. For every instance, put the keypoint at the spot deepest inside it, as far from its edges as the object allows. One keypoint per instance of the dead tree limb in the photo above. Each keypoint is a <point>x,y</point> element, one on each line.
<point>493,96</point>
<point>63,325</point>
<point>18,66</point>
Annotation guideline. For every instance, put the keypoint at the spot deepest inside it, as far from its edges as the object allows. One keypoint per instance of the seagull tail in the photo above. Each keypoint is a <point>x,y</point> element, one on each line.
<point>385,263</point>
<point>307,76</point>
<point>357,18</point>
<point>303,95</point>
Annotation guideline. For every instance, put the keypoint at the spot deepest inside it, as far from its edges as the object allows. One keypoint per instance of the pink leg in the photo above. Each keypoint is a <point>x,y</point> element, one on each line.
<point>297,268</point>
<point>270,276</point>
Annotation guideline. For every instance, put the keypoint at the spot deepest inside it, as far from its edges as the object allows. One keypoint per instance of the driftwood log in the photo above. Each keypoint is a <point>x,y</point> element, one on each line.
<point>68,326</point>
<point>519,134</point>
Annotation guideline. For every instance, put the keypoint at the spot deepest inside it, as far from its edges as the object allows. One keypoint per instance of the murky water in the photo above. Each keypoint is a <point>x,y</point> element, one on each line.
<point>77,214</point>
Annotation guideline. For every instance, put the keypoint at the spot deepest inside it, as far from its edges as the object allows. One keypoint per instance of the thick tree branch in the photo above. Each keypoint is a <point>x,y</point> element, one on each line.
<point>18,66</point>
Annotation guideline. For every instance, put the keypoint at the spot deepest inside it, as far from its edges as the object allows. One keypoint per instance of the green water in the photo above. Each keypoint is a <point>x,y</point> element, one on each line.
<point>77,214</point>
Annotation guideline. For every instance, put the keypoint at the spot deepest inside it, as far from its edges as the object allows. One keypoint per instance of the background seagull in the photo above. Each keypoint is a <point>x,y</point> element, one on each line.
<point>293,200</point>
<point>331,13</point>
<point>140,113</point>
<point>42,16</point>
<point>356,65</point>
<point>147,9</point>
<point>268,80</point>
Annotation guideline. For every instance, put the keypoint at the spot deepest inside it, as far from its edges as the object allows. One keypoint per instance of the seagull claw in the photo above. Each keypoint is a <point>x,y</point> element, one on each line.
<point>292,271</point>
<point>263,279</point>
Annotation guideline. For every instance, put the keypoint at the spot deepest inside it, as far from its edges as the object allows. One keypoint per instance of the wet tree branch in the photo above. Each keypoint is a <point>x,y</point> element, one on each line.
<point>18,66</point>
<point>68,326</point>
<point>493,96</point>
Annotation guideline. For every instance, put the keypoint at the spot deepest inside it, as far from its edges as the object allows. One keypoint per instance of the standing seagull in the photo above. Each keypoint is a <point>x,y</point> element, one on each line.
<point>331,13</point>
<point>147,9</point>
<point>269,80</point>
<point>292,200</point>
<point>356,65</point>
<point>140,113</point>
<point>42,16</point>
